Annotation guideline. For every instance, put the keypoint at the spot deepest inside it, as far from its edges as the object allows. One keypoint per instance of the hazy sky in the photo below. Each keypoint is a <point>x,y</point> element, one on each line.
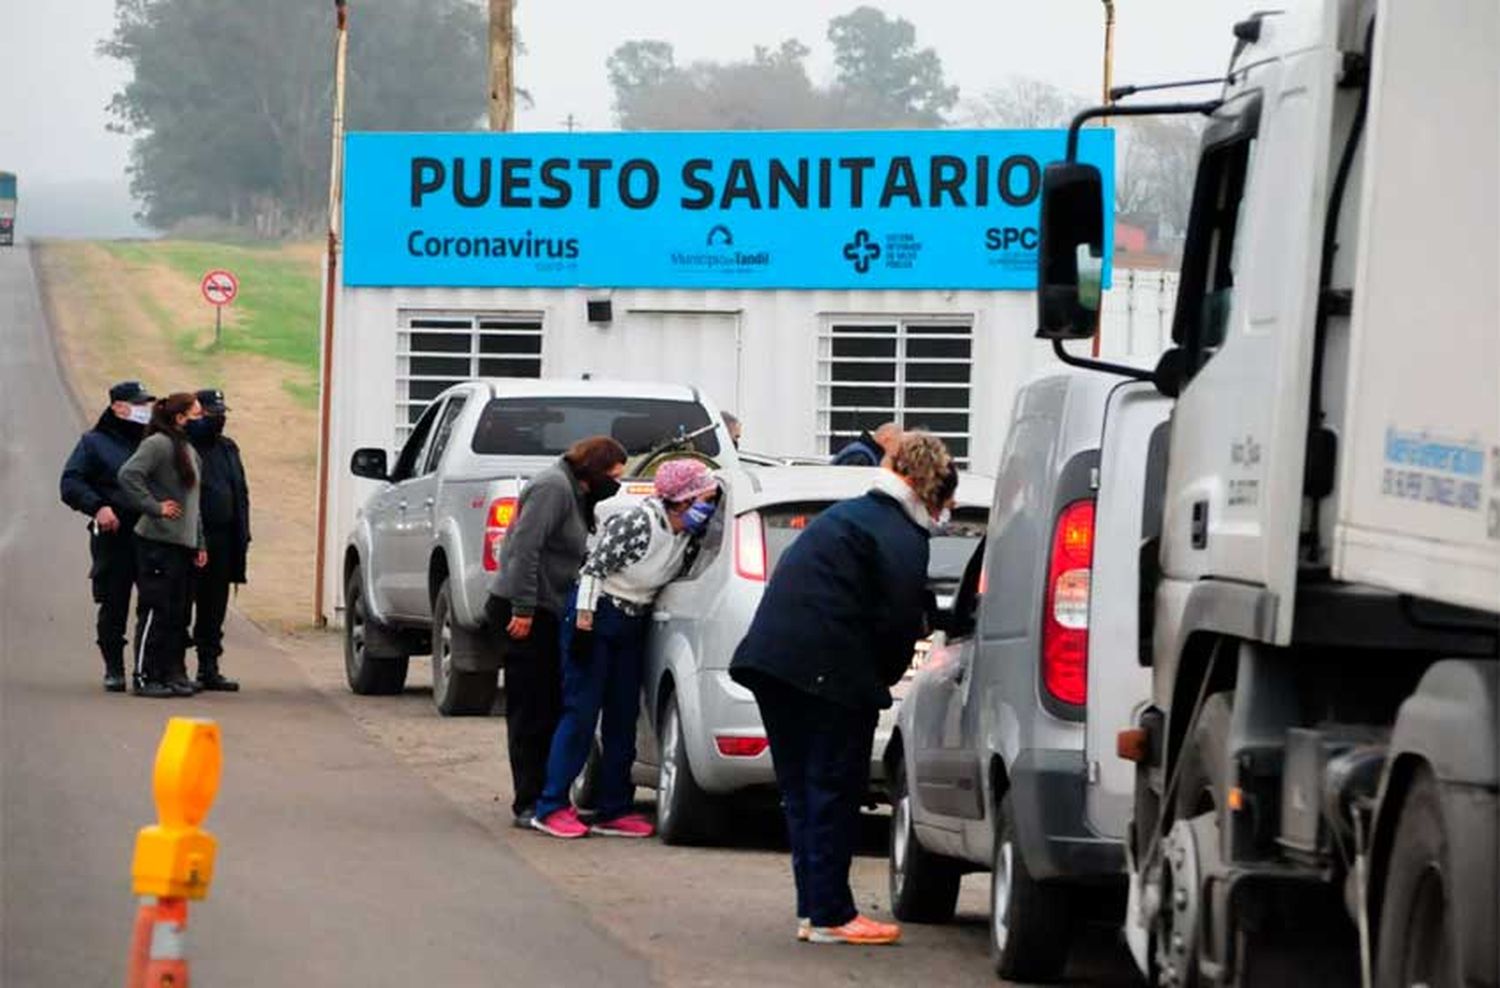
<point>53,88</point>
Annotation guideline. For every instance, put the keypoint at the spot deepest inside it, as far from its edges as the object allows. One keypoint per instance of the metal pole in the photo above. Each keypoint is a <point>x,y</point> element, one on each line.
<point>325,390</point>
<point>502,65</point>
<point>218,323</point>
<point>1109,72</point>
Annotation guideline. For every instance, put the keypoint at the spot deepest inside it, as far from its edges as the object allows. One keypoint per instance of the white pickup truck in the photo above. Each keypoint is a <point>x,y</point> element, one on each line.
<point>425,546</point>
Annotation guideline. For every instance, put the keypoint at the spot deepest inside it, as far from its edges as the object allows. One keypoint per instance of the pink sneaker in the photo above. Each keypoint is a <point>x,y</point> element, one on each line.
<point>564,823</point>
<point>629,825</point>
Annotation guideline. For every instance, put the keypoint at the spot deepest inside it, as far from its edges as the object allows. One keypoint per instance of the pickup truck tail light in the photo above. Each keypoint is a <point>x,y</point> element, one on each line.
<point>740,746</point>
<point>1065,619</point>
<point>750,547</point>
<point>497,522</point>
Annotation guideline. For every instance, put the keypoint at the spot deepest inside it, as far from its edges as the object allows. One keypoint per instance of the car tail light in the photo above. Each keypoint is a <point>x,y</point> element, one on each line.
<point>740,746</point>
<point>497,522</point>
<point>750,547</point>
<point>1065,621</point>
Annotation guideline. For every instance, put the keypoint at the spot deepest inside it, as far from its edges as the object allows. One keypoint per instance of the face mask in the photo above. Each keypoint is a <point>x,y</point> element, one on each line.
<point>603,489</point>
<point>696,518</point>
<point>140,414</point>
<point>204,428</point>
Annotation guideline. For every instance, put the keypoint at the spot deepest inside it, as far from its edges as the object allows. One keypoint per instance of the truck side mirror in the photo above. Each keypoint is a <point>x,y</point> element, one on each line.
<point>1070,255</point>
<point>370,464</point>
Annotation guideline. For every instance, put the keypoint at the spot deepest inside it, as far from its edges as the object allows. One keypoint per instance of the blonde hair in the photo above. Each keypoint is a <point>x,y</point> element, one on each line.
<point>925,462</point>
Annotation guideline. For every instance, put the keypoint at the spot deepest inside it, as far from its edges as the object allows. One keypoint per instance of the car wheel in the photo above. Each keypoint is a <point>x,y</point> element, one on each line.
<point>585,789</point>
<point>1417,939</point>
<point>369,670</point>
<point>923,885</point>
<point>1029,935</point>
<point>685,814</point>
<point>455,693</point>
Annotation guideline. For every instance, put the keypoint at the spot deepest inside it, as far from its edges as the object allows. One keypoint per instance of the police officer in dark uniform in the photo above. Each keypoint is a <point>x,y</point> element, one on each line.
<point>225,503</point>
<point>90,486</point>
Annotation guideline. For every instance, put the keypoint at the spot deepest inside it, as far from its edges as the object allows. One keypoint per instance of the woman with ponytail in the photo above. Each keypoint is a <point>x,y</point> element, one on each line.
<point>161,482</point>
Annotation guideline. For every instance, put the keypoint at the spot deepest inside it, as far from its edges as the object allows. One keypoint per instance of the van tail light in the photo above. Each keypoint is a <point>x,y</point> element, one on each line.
<point>750,547</point>
<point>740,746</point>
<point>497,522</point>
<point>1065,621</point>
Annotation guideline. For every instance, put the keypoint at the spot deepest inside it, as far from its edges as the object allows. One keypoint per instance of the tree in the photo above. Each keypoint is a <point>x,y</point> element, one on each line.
<point>229,102</point>
<point>1155,157</point>
<point>1024,104</point>
<point>883,77</point>
<point>771,90</point>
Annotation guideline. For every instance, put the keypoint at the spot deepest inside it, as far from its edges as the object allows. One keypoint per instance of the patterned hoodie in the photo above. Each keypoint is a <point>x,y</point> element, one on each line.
<point>636,555</point>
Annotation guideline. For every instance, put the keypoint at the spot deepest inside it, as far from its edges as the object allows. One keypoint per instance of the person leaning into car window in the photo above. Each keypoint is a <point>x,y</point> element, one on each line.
<point>539,562</point>
<point>834,630</point>
<point>604,644</point>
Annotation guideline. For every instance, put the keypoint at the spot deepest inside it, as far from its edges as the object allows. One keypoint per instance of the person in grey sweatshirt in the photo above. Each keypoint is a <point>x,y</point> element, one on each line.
<point>160,482</point>
<point>539,562</point>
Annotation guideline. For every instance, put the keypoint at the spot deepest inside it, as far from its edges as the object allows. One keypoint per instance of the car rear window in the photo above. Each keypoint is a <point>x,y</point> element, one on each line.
<point>954,545</point>
<point>548,426</point>
<point>951,548</point>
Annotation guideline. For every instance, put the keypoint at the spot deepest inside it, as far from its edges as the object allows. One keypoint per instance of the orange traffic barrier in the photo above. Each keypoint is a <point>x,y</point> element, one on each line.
<point>158,955</point>
<point>174,859</point>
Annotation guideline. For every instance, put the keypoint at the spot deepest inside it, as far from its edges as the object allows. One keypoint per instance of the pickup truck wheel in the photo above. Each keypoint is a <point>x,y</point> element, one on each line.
<point>1417,939</point>
<point>685,814</point>
<point>455,693</point>
<point>369,668</point>
<point>923,885</point>
<point>1029,934</point>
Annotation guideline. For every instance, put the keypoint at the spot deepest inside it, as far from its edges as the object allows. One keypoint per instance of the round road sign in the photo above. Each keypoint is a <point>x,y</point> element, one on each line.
<point>220,287</point>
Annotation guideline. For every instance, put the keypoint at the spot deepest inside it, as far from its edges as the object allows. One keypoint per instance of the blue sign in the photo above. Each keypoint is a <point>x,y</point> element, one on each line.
<point>754,209</point>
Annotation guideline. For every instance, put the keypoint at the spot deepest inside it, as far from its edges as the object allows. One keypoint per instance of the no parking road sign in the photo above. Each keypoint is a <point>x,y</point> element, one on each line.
<point>220,287</point>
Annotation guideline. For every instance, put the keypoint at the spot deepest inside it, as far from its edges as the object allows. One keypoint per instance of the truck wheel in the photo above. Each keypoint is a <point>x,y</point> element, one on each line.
<point>1029,935</point>
<point>1201,784</point>
<point>1416,945</point>
<point>455,693</point>
<point>923,885</point>
<point>371,666</point>
<point>685,814</point>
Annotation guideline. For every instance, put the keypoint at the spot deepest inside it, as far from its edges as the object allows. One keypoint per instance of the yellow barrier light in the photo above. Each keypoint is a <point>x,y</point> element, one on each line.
<point>175,858</point>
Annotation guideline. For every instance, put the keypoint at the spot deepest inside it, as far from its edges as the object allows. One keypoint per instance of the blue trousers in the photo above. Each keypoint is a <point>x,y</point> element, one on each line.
<point>606,680</point>
<point>821,753</point>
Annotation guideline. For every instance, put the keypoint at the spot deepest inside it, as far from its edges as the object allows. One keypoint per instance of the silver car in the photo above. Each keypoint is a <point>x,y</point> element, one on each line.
<point>702,738</point>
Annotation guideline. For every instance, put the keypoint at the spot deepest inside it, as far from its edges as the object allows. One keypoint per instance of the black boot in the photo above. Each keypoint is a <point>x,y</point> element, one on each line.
<point>153,688</point>
<point>211,680</point>
<point>114,674</point>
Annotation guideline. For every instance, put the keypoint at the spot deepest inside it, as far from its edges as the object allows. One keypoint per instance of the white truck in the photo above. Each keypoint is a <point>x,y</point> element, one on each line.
<point>425,547</point>
<point>1314,780</point>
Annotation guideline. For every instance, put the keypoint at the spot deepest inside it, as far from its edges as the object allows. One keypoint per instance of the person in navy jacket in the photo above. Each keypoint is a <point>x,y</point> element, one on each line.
<point>833,632</point>
<point>90,486</point>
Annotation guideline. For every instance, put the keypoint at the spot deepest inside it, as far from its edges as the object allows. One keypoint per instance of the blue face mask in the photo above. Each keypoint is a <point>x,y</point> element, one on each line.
<point>696,518</point>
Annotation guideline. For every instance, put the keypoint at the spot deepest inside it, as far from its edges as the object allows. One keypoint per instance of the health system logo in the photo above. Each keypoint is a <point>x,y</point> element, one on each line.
<point>862,251</point>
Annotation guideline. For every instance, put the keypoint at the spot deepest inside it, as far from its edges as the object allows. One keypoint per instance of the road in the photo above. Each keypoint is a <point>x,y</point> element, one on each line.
<point>363,841</point>
<point>337,865</point>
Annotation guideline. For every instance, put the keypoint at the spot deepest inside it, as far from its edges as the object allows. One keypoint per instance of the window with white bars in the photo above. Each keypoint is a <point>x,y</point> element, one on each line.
<point>435,351</point>
<point>917,373</point>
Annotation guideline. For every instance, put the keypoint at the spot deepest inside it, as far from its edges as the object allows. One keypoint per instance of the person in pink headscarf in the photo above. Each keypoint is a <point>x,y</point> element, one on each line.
<point>604,648</point>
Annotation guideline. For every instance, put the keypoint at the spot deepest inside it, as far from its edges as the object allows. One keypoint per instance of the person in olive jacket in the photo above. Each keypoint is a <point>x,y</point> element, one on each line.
<point>226,533</point>
<point>90,486</point>
<point>834,631</point>
<point>160,481</point>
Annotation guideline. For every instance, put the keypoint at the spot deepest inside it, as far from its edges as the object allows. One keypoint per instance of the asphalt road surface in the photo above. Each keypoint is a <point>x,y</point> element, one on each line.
<point>362,841</point>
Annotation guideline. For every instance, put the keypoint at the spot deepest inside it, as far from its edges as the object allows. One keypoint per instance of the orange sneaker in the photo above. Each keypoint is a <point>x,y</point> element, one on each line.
<point>860,930</point>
